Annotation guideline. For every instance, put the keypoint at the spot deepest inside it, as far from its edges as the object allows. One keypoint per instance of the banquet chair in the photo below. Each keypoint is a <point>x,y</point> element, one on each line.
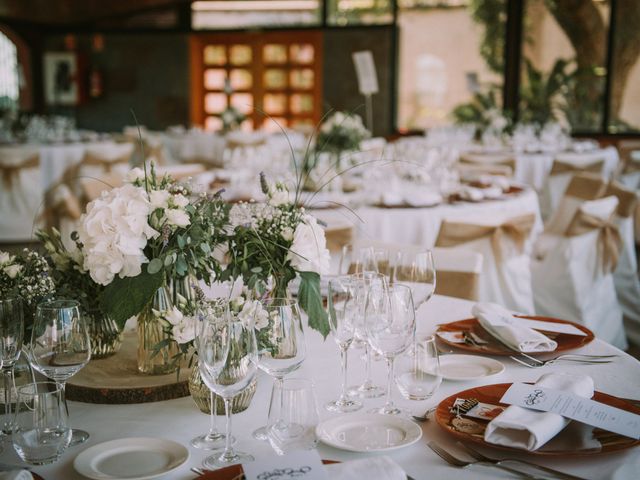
<point>488,164</point>
<point>574,281</point>
<point>504,244</point>
<point>20,192</point>
<point>562,170</point>
<point>105,159</point>
<point>458,272</point>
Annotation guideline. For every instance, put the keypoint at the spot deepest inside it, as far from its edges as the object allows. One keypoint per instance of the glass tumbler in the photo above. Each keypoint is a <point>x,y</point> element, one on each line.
<point>418,375</point>
<point>293,420</point>
<point>41,433</point>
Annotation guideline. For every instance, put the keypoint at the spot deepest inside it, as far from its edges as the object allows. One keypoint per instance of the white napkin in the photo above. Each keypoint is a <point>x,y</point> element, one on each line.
<point>528,429</point>
<point>500,323</point>
<point>423,199</point>
<point>16,475</point>
<point>471,193</point>
<point>378,468</point>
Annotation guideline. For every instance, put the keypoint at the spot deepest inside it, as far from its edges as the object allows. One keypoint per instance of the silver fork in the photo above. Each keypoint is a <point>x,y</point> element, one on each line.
<point>565,355</point>
<point>456,462</point>
<point>539,363</point>
<point>479,456</point>
<point>425,416</point>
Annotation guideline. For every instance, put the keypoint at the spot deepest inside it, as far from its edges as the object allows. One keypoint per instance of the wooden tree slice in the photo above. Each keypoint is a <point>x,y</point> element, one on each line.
<point>116,380</point>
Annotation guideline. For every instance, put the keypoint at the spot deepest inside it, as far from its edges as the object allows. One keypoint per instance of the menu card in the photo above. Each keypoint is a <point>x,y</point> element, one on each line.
<point>300,465</point>
<point>548,326</point>
<point>574,407</point>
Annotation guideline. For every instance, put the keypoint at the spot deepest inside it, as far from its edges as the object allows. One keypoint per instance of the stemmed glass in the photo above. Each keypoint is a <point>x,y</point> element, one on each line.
<point>60,346</point>
<point>11,334</point>
<point>228,361</point>
<point>361,285</point>
<point>213,439</point>
<point>287,345</point>
<point>390,325</point>
<point>342,309</point>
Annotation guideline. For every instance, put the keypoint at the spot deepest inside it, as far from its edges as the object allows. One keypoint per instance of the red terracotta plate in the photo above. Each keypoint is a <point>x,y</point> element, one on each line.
<point>611,442</point>
<point>494,347</point>
<point>234,472</point>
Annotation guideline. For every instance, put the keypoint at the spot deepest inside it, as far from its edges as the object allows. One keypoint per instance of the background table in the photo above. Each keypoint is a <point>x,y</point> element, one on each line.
<point>180,420</point>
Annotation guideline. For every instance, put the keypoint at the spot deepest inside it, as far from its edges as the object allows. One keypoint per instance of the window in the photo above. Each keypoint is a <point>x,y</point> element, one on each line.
<point>433,82</point>
<point>270,76</point>
<point>235,14</point>
<point>9,80</point>
<point>359,12</point>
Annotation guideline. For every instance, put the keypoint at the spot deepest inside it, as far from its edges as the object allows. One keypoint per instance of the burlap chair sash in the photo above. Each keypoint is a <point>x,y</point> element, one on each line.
<point>105,163</point>
<point>559,167</point>
<point>506,162</point>
<point>627,199</point>
<point>10,172</point>
<point>517,229</point>
<point>338,238</point>
<point>631,166</point>
<point>609,240</point>
<point>458,284</point>
<point>60,202</point>
<point>233,144</point>
<point>586,186</point>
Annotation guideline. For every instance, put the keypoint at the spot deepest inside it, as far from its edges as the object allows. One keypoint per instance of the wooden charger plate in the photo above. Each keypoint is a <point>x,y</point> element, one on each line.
<point>611,442</point>
<point>494,347</point>
<point>234,472</point>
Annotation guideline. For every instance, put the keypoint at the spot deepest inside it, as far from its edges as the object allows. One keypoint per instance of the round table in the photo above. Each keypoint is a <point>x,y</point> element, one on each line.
<point>180,420</point>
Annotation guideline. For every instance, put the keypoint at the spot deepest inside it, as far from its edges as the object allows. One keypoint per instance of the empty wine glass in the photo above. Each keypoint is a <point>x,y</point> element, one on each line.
<point>294,416</point>
<point>342,309</point>
<point>390,325</point>
<point>287,347</point>
<point>228,362</point>
<point>11,335</point>
<point>361,285</point>
<point>418,376</point>
<point>60,346</point>
<point>417,270</point>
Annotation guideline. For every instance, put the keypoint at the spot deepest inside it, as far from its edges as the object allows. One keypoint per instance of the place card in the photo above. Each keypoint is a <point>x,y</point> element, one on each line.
<point>300,465</point>
<point>565,328</point>
<point>573,406</point>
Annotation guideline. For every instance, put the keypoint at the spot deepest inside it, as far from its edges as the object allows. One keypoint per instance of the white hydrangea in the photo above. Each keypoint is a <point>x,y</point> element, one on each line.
<point>114,232</point>
<point>308,252</point>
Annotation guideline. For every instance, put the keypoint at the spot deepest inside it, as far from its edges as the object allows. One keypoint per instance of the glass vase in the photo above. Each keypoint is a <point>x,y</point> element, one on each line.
<point>152,361</point>
<point>201,394</point>
<point>104,333</point>
<point>182,291</point>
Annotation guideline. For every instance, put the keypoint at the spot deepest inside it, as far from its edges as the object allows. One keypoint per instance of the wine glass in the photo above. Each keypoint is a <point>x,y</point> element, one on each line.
<point>342,309</point>
<point>361,285</point>
<point>228,361</point>
<point>287,348</point>
<point>356,260</point>
<point>11,335</point>
<point>390,325</point>
<point>213,439</point>
<point>60,347</point>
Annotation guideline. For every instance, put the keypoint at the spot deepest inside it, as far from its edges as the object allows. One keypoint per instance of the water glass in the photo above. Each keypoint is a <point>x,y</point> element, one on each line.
<point>11,336</point>
<point>293,419</point>
<point>417,374</point>
<point>41,433</point>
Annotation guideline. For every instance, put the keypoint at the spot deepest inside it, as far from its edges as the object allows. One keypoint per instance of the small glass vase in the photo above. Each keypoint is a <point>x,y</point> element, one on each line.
<point>201,394</point>
<point>151,333</point>
<point>106,337</point>
<point>182,290</point>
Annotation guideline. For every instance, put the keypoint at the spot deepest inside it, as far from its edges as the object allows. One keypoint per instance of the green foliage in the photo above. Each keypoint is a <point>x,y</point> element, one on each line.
<point>310,300</point>
<point>125,297</point>
<point>541,93</point>
<point>492,15</point>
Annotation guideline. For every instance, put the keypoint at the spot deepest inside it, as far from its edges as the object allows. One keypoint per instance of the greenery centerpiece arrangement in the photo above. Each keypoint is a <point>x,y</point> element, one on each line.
<point>137,238</point>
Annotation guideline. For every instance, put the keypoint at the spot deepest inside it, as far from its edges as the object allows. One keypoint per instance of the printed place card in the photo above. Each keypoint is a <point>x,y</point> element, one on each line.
<point>301,465</point>
<point>549,326</point>
<point>572,406</point>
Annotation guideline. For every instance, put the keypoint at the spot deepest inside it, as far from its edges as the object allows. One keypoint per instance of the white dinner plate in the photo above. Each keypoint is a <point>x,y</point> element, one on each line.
<point>368,432</point>
<point>468,367</point>
<point>139,458</point>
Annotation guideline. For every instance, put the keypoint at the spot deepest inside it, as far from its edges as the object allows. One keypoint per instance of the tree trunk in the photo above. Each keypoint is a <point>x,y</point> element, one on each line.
<point>626,51</point>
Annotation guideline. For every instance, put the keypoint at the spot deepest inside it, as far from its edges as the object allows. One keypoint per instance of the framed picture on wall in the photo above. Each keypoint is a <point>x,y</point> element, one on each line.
<point>61,78</point>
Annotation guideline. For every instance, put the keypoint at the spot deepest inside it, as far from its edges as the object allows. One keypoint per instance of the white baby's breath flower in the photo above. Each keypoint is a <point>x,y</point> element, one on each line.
<point>177,217</point>
<point>12,271</point>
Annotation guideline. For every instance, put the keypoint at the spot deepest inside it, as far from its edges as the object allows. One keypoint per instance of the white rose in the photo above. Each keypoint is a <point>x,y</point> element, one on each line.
<point>13,270</point>
<point>5,258</point>
<point>159,198</point>
<point>177,217</point>
<point>134,174</point>
<point>287,233</point>
<point>308,252</point>
<point>279,197</point>
<point>180,200</point>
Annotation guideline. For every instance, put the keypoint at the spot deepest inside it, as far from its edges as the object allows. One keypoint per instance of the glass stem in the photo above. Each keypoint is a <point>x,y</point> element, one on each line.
<point>228,454</point>
<point>367,363</point>
<point>344,358</point>
<point>7,373</point>
<point>279,384</point>
<point>389,402</point>
<point>212,415</point>
<point>63,396</point>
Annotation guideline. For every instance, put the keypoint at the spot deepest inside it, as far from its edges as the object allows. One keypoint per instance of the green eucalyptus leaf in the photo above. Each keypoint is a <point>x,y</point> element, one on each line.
<point>310,300</point>
<point>154,266</point>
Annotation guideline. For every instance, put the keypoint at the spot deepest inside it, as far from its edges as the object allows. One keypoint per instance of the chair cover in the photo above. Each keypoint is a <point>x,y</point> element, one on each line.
<point>105,159</point>
<point>20,193</point>
<point>574,280</point>
<point>506,274</point>
<point>489,164</point>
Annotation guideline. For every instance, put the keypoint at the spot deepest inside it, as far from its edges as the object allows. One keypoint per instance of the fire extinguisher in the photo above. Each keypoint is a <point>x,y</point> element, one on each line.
<point>95,83</point>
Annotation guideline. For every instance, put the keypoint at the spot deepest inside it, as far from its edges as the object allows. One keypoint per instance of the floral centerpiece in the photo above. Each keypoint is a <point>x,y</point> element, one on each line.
<point>341,132</point>
<point>28,276</point>
<point>137,237</point>
<point>274,242</point>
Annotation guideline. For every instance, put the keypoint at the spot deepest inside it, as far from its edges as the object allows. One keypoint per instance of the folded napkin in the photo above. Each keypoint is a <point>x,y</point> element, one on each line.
<point>519,427</point>
<point>471,193</point>
<point>16,475</point>
<point>500,323</point>
<point>380,468</point>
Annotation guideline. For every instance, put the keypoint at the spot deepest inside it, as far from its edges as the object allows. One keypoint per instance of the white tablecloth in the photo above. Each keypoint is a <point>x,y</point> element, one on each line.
<point>419,226</point>
<point>180,420</point>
